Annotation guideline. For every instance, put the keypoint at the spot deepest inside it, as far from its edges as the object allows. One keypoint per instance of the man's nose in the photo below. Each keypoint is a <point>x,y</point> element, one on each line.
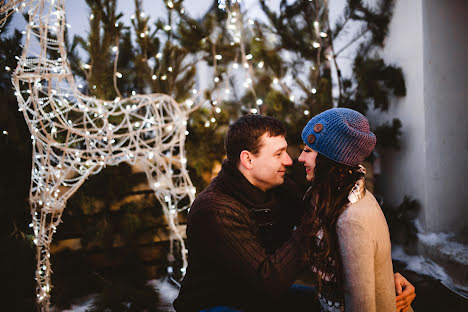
<point>287,161</point>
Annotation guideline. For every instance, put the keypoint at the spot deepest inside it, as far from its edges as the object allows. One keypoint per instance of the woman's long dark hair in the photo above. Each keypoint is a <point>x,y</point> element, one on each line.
<point>329,194</point>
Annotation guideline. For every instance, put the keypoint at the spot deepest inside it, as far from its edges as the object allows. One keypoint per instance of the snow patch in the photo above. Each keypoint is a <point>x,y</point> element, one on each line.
<point>167,293</point>
<point>421,265</point>
<point>445,244</point>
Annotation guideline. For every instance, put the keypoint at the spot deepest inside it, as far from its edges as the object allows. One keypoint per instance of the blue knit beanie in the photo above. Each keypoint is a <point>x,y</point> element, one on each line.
<point>341,134</point>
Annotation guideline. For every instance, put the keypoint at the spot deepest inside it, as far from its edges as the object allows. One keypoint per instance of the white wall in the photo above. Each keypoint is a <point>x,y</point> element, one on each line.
<point>445,43</point>
<point>427,39</point>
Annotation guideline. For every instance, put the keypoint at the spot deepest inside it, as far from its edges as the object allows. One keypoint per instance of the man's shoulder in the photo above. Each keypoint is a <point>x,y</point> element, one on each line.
<point>213,198</point>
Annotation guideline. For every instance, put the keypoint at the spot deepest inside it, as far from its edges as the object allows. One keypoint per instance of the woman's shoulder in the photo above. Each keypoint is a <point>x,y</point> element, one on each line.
<point>365,210</point>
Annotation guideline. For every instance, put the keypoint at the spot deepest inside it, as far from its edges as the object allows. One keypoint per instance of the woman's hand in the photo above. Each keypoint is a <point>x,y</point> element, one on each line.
<point>405,292</point>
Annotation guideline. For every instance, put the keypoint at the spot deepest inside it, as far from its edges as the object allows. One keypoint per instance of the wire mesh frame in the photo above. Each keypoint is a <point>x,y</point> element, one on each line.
<point>75,136</point>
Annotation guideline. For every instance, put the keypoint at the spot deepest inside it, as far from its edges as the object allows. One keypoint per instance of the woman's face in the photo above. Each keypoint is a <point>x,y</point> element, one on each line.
<point>308,157</point>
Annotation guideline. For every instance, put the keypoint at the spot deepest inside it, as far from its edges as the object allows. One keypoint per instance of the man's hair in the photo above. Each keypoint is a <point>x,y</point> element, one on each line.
<point>245,134</point>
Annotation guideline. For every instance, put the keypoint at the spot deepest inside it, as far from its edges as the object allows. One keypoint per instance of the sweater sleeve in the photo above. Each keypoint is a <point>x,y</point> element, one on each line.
<point>357,255</point>
<point>223,232</point>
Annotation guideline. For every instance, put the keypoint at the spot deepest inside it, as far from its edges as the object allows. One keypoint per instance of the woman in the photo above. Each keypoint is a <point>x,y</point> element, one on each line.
<point>351,255</point>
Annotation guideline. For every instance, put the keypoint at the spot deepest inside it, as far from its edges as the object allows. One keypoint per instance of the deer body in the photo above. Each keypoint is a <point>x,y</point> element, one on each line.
<point>75,136</point>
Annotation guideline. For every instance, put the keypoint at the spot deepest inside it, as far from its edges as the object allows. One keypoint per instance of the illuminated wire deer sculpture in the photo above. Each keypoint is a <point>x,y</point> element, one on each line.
<point>75,136</point>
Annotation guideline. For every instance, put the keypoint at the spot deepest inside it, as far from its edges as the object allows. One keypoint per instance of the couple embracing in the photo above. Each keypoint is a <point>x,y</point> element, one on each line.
<point>251,233</point>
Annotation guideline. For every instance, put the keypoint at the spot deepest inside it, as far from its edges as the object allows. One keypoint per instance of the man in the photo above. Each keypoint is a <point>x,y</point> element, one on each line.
<point>246,232</point>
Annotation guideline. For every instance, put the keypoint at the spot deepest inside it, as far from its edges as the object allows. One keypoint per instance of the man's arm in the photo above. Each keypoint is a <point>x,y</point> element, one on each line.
<point>222,231</point>
<point>405,293</point>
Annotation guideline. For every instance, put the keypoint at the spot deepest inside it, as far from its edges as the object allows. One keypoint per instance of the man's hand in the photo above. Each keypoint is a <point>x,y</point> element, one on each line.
<point>405,293</point>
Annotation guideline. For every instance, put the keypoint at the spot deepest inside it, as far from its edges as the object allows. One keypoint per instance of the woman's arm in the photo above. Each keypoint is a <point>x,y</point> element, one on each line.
<point>357,255</point>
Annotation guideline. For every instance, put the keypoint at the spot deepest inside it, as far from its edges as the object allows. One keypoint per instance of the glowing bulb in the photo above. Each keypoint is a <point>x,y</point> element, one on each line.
<point>218,110</point>
<point>167,27</point>
<point>306,112</point>
<point>119,75</point>
<point>323,34</point>
<point>154,77</point>
<point>314,90</point>
<point>259,102</point>
<point>158,56</point>
<point>248,57</point>
<point>291,98</point>
<point>218,56</point>
<point>260,65</point>
<point>169,69</point>
<point>315,44</point>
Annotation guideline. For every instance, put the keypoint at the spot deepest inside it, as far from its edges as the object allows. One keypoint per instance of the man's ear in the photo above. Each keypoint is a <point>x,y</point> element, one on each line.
<point>246,159</point>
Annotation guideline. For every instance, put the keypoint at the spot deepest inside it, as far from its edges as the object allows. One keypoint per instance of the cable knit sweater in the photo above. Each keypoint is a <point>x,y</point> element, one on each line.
<point>243,251</point>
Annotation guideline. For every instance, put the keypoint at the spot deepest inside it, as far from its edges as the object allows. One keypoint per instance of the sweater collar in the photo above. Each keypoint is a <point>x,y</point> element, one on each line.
<point>233,182</point>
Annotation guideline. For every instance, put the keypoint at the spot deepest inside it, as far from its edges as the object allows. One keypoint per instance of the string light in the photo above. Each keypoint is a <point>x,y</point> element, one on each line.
<point>83,146</point>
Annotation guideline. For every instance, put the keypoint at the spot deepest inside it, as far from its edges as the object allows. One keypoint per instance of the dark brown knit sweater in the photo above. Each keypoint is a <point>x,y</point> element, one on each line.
<point>243,249</point>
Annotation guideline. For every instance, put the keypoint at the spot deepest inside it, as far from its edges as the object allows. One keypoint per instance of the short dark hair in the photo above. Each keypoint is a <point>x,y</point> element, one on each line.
<point>245,134</point>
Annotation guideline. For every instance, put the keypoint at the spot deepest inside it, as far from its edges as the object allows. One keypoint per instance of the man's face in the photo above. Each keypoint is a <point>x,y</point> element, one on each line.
<point>269,165</point>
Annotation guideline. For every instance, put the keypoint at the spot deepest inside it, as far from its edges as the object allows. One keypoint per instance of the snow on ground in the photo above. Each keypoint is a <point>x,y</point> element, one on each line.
<point>421,265</point>
<point>444,242</point>
<point>167,294</point>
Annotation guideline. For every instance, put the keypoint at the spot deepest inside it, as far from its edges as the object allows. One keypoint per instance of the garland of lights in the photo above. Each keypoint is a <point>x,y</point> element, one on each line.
<point>75,136</point>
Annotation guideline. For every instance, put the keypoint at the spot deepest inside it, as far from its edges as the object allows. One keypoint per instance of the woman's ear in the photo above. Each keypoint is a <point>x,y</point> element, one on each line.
<point>246,159</point>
